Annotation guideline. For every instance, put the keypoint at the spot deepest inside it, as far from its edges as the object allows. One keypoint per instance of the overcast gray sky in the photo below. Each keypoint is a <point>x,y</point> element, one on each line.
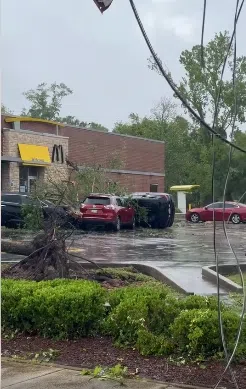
<point>103,58</point>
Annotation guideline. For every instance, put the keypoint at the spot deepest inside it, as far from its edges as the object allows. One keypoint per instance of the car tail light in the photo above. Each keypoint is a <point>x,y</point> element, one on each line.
<point>82,206</point>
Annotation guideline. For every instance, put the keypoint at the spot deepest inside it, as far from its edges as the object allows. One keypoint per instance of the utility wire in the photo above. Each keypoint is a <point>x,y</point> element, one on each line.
<point>173,87</point>
<point>203,28</point>
<point>224,197</point>
<point>214,134</point>
<point>216,112</point>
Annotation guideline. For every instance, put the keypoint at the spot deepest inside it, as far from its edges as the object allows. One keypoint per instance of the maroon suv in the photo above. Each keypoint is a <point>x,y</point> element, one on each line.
<point>106,210</point>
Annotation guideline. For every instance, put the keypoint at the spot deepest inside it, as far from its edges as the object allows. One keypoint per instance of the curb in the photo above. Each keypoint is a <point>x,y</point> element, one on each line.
<point>67,367</point>
<point>209,272</point>
<point>148,270</point>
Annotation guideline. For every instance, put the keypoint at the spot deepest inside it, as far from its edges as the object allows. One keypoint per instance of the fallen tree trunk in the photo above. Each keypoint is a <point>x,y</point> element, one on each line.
<point>46,257</point>
<point>20,248</point>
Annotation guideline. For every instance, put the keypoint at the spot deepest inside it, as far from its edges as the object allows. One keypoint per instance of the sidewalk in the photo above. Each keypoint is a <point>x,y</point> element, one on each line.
<point>17,375</point>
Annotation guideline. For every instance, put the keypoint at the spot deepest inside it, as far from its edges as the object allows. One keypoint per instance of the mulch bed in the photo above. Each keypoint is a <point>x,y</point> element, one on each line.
<point>91,352</point>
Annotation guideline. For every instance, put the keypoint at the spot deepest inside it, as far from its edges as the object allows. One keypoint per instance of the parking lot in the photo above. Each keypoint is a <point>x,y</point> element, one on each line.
<point>184,244</point>
<point>180,252</point>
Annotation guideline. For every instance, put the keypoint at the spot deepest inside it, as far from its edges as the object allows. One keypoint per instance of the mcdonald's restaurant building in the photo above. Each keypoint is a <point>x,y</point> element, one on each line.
<point>33,149</point>
<point>29,155</point>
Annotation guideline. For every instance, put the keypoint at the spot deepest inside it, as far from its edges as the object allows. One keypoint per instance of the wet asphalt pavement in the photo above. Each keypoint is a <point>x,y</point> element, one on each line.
<point>180,252</point>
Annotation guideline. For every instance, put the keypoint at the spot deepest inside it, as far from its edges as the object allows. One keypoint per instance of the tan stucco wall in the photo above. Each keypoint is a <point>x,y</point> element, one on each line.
<point>10,174</point>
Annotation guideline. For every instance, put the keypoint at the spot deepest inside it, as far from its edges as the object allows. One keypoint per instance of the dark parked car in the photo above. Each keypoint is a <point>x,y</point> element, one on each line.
<point>160,208</point>
<point>12,205</point>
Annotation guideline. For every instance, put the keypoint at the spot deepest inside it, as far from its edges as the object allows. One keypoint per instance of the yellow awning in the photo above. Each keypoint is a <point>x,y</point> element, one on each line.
<point>34,155</point>
<point>184,188</point>
<point>13,119</point>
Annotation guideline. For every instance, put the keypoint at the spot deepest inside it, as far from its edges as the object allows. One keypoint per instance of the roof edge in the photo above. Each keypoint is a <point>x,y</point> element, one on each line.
<point>11,119</point>
<point>115,133</point>
<point>35,133</point>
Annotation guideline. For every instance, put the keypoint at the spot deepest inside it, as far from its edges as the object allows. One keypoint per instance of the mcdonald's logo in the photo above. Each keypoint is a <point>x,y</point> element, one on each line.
<point>57,154</point>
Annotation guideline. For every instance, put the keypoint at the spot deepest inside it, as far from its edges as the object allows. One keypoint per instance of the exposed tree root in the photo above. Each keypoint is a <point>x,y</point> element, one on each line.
<point>47,258</point>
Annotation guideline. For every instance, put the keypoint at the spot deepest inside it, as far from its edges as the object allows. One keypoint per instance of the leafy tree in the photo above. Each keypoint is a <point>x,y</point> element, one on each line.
<point>72,121</point>
<point>46,101</point>
<point>174,130</point>
<point>237,182</point>
<point>5,110</point>
<point>200,85</point>
<point>97,126</point>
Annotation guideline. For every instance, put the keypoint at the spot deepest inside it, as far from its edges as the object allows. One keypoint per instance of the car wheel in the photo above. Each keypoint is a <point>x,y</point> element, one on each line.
<point>195,217</point>
<point>235,218</point>
<point>117,225</point>
<point>133,224</point>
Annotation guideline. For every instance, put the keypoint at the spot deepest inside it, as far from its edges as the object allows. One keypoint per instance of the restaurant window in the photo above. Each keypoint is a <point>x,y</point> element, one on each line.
<point>153,188</point>
<point>28,178</point>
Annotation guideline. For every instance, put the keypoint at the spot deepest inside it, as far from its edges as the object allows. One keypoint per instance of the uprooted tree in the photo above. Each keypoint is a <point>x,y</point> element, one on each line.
<point>47,256</point>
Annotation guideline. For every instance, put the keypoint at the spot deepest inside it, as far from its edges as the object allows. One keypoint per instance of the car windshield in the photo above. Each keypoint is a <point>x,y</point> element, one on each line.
<point>97,200</point>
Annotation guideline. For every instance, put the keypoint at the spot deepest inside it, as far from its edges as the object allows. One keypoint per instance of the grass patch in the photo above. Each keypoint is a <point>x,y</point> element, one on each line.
<point>124,274</point>
<point>237,298</point>
<point>236,278</point>
<point>116,372</point>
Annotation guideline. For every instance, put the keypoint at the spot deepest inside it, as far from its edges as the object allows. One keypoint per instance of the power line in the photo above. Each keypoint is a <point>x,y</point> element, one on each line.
<point>171,84</point>
<point>214,134</point>
<point>203,28</point>
<point>229,360</point>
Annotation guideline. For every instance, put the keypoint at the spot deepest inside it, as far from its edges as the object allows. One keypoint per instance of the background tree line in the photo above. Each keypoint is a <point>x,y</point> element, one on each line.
<point>188,146</point>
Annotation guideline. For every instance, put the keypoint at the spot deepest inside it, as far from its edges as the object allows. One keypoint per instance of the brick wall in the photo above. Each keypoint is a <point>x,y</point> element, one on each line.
<point>90,147</point>
<point>5,181</point>
<point>9,176</point>
<point>10,148</point>
<point>13,137</point>
<point>39,127</point>
<point>137,182</point>
<point>87,147</point>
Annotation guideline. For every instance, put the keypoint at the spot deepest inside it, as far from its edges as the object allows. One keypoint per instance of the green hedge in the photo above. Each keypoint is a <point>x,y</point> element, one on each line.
<point>60,308</point>
<point>149,317</point>
<point>160,323</point>
<point>197,332</point>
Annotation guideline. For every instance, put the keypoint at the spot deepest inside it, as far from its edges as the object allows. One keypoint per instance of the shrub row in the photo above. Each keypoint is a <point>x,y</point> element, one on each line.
<point>148,317</point>
<point>60,308</point>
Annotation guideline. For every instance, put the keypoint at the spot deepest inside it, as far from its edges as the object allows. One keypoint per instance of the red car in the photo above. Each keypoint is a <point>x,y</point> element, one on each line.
<point>234,212</point>
<point>106,210</point>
